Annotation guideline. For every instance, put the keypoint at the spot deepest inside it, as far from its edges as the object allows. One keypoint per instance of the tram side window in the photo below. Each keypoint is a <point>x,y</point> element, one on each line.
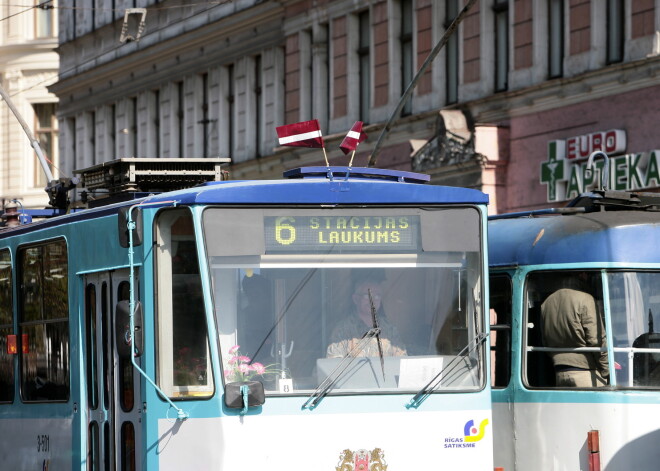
<point>44,322</point>
<point>565,312</point>
<point>500,330</point>
<point>635,309</point>
<point>184,364</point>
<point>6,329</point>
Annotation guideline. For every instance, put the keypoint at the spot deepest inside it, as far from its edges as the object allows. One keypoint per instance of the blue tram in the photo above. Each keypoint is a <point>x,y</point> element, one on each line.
<point>604,243</point>
<point>336,317</point>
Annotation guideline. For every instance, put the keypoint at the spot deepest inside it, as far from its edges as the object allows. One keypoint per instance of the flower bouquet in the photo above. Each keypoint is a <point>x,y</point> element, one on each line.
<point>241,368</point>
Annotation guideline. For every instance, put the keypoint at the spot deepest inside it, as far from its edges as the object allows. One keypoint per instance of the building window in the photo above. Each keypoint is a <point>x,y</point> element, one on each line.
<point>321,47</point>
<point>406,44</point>
<point>44,19</point>
<point>451,13</point>
<point>91,136</point>
<point>555,38</point>
<point>180,119</point>
<point>615,33</point>
<point>45,131</point>
<point>306,86</point>
<point>206,121</point>
<point>44,322</point>
<point>258,103</point>
<point>230,109</point>
<point>134,127</point>
<point>6,329</point>
<point>156,123</point>
<point>501,9</point>
<point>363,52</point>
<point>113,132</point>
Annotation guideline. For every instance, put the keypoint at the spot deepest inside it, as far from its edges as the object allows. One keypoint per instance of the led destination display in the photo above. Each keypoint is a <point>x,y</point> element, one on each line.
<point>323,233</point>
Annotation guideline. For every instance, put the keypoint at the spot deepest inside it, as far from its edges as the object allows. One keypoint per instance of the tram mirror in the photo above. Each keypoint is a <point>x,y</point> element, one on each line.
<point>122,327</point>
<point>122,228</point>
<point>234,398</point>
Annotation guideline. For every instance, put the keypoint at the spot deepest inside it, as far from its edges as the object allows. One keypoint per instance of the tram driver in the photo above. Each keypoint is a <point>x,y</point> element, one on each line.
<point>569,320</point>
<point>367,297</point>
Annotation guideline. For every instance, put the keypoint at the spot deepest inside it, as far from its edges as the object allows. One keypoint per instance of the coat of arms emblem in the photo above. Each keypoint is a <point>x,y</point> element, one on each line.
<point>362,460</point>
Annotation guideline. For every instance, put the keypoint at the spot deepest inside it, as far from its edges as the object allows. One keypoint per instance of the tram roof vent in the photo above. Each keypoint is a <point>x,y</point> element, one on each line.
<point>108,181</point>
<point>357,172</point>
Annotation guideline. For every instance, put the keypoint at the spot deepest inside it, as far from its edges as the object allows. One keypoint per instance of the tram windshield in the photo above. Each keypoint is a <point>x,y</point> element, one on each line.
<point>296,291</point>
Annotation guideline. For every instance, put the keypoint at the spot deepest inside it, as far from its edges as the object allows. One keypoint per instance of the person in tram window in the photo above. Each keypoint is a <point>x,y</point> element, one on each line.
<point>569,320</point>
<point>348,333</point>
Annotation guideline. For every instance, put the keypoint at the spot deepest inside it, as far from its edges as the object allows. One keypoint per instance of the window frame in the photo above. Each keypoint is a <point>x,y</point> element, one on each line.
<point>615,31</point>
<point>45,17</point>
<point>452,55</point>
<point>9,327</point>
<point>501,44</point>
<point>527,349</point>
<point>556,31</point>
<point>164,327</point>
<point>52,133</point>
<point>477,319</point>
<point>501,325</point>
<point>43,321</point>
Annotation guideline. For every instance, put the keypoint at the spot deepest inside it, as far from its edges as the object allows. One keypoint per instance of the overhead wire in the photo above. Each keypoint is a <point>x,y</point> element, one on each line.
<point>18,13</point>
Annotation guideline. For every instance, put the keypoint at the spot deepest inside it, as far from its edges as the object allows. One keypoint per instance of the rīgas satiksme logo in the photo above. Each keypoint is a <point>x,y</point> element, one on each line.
<point>471,435</point>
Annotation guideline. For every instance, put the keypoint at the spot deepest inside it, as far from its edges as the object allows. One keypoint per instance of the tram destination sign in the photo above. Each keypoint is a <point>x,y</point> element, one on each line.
<point>331,233</point>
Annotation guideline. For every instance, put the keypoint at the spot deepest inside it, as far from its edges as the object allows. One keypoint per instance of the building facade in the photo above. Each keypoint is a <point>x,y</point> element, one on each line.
<point>28,65</point>
<point>511,105</point>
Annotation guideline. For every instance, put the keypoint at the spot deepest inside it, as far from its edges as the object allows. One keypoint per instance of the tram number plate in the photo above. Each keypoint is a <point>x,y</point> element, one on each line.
<point>286,385</point>
<point>43,443</point>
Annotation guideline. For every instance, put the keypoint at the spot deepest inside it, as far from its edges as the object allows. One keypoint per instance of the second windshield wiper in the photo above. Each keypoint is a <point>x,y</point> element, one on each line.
<point>437,379</point>
<point>343,365</point>
<point>374,319</point>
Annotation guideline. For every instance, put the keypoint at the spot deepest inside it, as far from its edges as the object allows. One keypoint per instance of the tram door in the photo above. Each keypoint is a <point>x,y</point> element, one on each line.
<point>114,406</point>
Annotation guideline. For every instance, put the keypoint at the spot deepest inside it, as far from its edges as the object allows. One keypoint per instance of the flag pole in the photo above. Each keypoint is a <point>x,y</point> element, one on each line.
<point>326,158</point>
<point>350,164</point>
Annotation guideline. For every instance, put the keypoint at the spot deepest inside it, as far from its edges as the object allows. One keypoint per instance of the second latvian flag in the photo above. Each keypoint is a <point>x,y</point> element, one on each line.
<point>353,138</point>
<point>303,134</point>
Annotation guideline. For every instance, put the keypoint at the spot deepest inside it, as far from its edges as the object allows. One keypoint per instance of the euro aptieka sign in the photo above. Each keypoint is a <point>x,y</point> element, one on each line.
<point>564,174</point>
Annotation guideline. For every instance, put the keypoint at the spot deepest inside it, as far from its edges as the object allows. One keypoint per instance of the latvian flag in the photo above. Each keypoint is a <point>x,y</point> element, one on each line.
<point>303,134</point>
<point>353,138</point>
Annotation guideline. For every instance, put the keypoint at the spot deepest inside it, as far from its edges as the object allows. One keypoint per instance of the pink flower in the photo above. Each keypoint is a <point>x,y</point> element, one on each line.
<point>258,368</point>
<point>244,359</point>
<point>234,349</point>
<point>243,368</point>
<point>232,360</point>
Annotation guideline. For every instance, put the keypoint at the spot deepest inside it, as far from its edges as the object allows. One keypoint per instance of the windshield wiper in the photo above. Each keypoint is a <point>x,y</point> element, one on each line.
<point>345,362</point>
<point>374,319</point>
<point>437,379</point>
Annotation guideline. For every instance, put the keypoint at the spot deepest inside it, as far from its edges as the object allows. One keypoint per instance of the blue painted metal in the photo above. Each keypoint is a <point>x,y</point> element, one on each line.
<point>323,191</point>
<point>606,236</point>
<point>358,172</point>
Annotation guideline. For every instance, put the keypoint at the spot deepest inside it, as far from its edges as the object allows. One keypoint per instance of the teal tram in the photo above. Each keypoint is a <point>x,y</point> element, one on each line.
<point>334,318</point>
<point>606,244</point>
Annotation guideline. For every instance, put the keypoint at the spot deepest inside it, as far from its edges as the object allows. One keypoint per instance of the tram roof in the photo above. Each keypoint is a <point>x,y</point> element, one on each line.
<point>380,188</point>
<point>625,236</point>
<point>321,190</point>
